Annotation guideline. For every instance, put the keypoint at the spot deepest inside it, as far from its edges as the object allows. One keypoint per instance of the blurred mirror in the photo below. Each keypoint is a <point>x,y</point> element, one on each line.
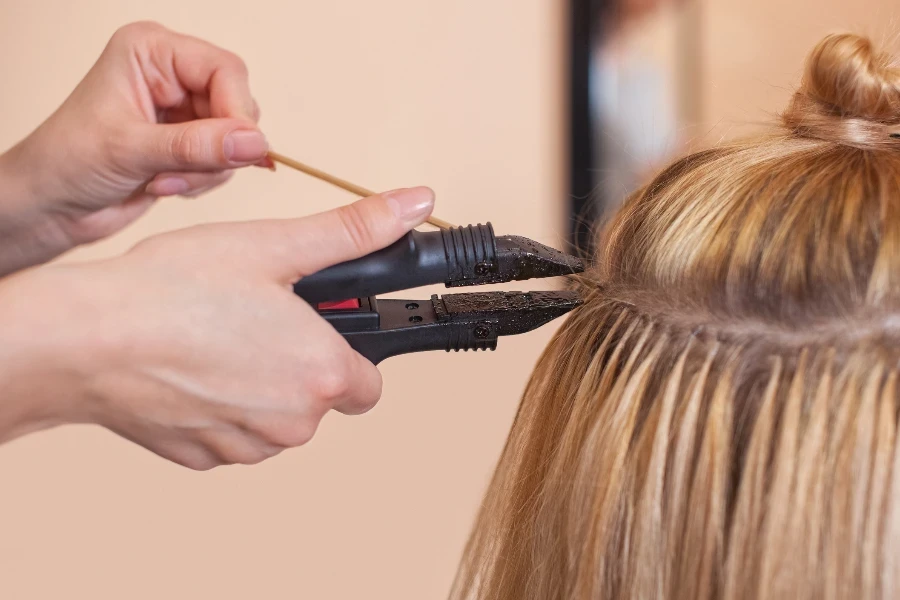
<point>634,90</point>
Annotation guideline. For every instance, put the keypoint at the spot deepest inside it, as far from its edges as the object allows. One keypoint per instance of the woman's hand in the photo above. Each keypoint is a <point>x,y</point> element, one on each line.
<point>193,344</point>
<point>159,114</point>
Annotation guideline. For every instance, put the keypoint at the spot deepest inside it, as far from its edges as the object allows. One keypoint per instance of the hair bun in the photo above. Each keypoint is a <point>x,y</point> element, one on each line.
<point>850,94</point>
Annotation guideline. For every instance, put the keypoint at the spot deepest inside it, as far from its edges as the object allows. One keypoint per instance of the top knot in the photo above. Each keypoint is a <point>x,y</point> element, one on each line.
<point>850,94</point>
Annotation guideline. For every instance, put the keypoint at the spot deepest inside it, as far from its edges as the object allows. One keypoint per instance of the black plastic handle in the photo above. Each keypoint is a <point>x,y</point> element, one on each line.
<point>417,259</point>
<point>458,256</point>
<point>380,329</point>
<point>419,326</point>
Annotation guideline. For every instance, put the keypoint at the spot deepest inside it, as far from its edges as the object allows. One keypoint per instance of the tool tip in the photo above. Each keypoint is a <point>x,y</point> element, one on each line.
<point>515,312</point>
<point>532,260</point>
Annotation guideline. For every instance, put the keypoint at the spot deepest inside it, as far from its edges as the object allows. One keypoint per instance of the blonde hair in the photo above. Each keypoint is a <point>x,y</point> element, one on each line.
<point>719,420</point>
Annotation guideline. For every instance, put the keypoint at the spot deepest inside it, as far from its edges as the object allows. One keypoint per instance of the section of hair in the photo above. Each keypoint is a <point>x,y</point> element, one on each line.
<point>665,461</point>
<point>719,420</point>
<point>850,94</point>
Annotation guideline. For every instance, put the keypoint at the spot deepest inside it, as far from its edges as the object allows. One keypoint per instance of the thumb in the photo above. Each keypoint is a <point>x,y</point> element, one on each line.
<point>199,145</point>
<point>309,244</point>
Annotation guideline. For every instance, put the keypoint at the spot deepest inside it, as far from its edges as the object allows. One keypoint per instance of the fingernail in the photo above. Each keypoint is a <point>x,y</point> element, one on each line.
<point>168,186</point>
<point>266,163</point>
<point>245,146</point>
<point>412,205</point>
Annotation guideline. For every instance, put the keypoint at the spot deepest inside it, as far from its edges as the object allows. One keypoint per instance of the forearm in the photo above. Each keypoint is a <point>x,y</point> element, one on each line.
<point>29,235</point>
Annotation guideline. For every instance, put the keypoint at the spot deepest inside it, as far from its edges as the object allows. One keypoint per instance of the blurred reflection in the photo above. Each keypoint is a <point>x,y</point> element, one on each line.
<point>634,69</point>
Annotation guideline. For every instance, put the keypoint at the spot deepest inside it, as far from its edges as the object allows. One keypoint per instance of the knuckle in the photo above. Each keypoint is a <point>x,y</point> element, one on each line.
<point>187,146</point>
<point>137,30</point>
<point>235,448</point>
<point>241,454</point>
<point>154,243</point>
<point>118,147</point>
<point>145,246</point>
<point>160,248</point>
<point>199,463</point>
<point>254,459</point>
<point>237,64</point>
<point>369,400</point>
<point>291,433</point>
<point>364,400</point>
<point>357,227</point>
<point>268,450</point>
<point>151,248</point>
<point>333,380</point>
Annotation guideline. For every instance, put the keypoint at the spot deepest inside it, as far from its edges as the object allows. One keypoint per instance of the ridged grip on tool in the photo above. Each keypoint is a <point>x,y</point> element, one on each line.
<point>471,254</point>
<point>480,337</point>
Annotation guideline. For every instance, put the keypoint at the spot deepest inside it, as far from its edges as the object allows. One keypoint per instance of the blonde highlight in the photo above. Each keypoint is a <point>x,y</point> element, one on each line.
<point>719,419</point>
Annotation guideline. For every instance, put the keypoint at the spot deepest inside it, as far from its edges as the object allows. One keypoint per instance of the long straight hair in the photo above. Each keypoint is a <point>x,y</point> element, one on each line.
<point>719,420</point>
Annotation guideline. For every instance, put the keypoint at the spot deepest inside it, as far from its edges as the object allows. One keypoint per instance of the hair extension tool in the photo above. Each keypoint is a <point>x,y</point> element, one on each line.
<point>345,294</point>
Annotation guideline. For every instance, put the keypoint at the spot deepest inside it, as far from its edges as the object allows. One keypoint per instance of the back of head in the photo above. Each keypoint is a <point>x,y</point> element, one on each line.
<point>719,420</point>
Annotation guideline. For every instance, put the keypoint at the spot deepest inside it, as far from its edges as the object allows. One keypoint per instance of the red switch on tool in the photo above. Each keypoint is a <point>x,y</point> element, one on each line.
<point>340,305</point>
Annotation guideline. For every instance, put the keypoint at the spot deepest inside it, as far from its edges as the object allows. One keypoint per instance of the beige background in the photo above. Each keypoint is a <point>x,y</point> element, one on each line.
<point>752,53</point>
<point>464,96</point>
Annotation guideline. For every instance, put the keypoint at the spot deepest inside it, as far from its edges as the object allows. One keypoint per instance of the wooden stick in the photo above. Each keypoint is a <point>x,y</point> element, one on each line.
<point>336,181</point>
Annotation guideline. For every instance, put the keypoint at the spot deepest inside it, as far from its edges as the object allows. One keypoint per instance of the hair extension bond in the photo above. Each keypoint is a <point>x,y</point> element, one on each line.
<point>719,420</point>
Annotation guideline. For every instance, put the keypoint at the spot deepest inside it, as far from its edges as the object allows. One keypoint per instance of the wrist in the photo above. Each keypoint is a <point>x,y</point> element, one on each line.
<point>29,234</point>
<point>43,354</point>
<point>18,192</point>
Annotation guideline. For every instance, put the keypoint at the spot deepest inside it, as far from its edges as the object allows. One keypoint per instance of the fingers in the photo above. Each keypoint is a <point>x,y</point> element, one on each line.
<point>300,247</point>
<point>186,453</point>
<point>266,163</point>
<point>333,375</point>
<point>201,145</point>
<point>365,390</point>
<point>186,184</point>
<point>232,446</point>
<point>203,67</point>
<point>194,106</point>
<point>349,384</point>
<point>342,380</point>
<point>175,66</point>
<point>201,91</point>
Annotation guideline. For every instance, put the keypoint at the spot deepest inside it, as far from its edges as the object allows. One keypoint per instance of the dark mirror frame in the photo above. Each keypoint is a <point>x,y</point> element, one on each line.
<point>589,21</point>
<point>584,202</point>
